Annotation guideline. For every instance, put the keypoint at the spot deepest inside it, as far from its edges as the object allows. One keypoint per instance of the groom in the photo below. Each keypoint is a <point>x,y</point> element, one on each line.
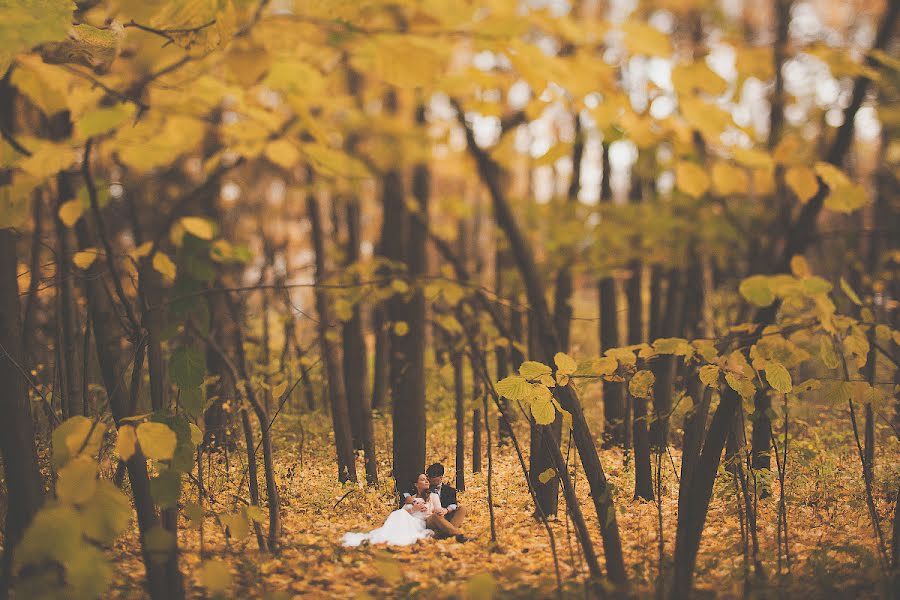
<point>447,522</point>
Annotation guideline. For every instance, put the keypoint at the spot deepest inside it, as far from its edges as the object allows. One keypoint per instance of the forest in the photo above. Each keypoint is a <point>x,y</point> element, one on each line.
<point>624,273</point>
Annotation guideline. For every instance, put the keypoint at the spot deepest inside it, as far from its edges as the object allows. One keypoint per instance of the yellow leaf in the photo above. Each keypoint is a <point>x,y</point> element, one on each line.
<point>697,76</point>
<point>831,175</point>
<point>48,159</point>
<point>802,182</point>
<point>641,38</point>
<point>401,328</point>
<point>77,481</point>
<point>70,212</point>
<point>215,576</point>
<point>691,179</point>
<point>547,475</point>
<point>85,258</point>
<point>565,364</point>
<point>164,265</point>
<point>846,198</point>
<point>729,180</point>
<point>141,251</point>
<point>157,440</point>
<point>283,153</point>
<point>799,266</point>
<point>125,442</point>
<point>407,61</point>
<point>199,227</point>
<point>331,162</point>
<point>279,389</point>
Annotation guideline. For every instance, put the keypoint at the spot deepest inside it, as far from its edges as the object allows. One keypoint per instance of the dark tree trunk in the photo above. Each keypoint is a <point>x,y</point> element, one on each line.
<point>655,310</point>
<point>643,481</point>
<point>549,344</point>
<point>614,399</point>
<point>337,397</point>
<point>459,395</point>
<point>253,476</point>
<point>164,579</point>
<point>34,280</point>
<point>24,488</point>
<point>217,419</point>
<point>73,398</point>
<point>541,450</point>
<point>476,440</point>
<point>380,365</point>
<point>664,366</point>
<point>355,368</point>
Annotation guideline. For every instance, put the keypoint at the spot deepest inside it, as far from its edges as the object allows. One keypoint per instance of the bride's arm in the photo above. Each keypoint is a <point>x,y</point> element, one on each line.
<point>435,502</point>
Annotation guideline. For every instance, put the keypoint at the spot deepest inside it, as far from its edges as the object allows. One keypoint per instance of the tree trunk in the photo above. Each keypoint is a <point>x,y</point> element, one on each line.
<point>355,371</point>
<point>164,579</point>
<point>664,366</point>
<point>540,457</point>
<point>408,349</point>
<point>459,394</point>
<point>549,344</point>
<point>253,476</point>
<point>476,440</point>
<point>34,278</point>
<point>614,399</point>
<point>24,488</point>
<point>73,398</point>
<point>337,397</point>
<point>381,361</point>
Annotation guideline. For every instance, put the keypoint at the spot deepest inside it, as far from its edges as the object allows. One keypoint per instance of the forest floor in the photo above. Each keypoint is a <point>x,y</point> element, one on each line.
<point>832,549</point>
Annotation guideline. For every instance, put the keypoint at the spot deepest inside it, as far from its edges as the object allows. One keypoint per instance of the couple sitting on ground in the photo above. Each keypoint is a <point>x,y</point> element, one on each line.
<point>428,509</point>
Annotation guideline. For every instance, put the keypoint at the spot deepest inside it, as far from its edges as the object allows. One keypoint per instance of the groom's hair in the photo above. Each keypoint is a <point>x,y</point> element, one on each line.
<point>435,470</point>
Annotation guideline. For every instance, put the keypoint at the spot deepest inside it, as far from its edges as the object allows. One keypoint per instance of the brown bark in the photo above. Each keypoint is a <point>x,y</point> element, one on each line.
<point>534,288</point>
<point>24,488</point>
<point>459,395</point>
<point>337,397</point>
<point>355,359</point>
<point>476,440</point>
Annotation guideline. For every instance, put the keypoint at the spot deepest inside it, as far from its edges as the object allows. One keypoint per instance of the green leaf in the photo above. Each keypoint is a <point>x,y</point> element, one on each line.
<point>157,440</point>
<point>850,292</point>
<point>815,285</point>
<point>187,367</point>
<point>514,387</point>
<point>778,377</point>
<point>544,412</point>
<point>74,427</point>
<point>641,384</point>
<point>193,400</point>
<point>531,369</point>
<point>826,352</point>
<point>166,488</point>
<point>756,290</point>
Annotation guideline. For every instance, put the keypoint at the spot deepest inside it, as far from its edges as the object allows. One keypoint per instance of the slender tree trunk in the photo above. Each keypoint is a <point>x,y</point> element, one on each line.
<point>540,457</point>
<point>664,366</point>
<point>253,477</point>
<point>614,399</point>
<point>476,440</point>
<point>34,280</point>
<point>74,400</point>
<point>164,579</point>
<point>459,395</point>
<point>534,287</point>
<point>355,359</point>
<point>331,355</point>
<point>380,365</point>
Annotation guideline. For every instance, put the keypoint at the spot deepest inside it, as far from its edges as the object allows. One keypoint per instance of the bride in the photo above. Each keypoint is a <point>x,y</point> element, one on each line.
<point>406,525</point>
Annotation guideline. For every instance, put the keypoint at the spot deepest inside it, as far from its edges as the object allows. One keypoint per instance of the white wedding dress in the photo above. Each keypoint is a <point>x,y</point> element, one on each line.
<point>403,527</point>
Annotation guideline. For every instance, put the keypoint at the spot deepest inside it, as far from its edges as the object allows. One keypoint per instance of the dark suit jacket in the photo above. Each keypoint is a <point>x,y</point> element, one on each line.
<point>448,495</point>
